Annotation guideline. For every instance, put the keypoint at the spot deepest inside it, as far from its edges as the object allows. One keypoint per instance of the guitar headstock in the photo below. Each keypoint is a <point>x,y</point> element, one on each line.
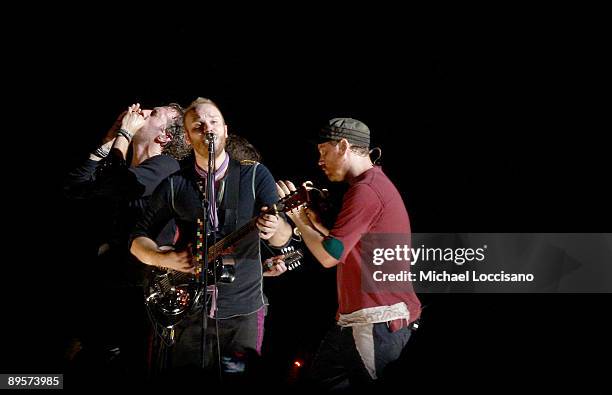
<point>302,196</point>
<point>291,258</point>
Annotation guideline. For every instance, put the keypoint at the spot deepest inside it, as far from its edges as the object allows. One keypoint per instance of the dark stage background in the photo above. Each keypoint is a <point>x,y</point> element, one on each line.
<point>487,129</point>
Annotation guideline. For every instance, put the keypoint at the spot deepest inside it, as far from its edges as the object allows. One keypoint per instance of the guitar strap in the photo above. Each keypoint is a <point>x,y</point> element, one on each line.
<point>232,195</point>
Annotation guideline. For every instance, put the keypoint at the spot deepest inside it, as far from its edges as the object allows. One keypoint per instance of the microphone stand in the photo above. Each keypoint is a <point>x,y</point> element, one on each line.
<point>209,233</point>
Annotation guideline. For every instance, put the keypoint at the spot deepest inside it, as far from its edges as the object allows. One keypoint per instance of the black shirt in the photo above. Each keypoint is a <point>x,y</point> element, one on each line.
<point>117,196</point>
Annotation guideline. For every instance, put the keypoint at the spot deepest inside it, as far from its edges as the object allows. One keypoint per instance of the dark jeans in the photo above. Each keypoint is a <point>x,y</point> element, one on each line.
<point>339,366</point>
<point>239,340</point>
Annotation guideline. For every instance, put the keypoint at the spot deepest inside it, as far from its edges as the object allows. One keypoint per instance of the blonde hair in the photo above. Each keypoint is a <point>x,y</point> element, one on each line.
<point>197,102</point>
<point>201,100</point>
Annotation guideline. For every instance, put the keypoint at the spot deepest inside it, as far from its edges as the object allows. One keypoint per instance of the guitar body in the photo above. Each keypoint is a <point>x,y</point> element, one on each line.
<point>170,294</point>
<point>170,297</point>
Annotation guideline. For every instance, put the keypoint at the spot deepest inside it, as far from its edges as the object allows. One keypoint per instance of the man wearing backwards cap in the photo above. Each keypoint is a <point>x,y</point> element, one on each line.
<point>374,320</point>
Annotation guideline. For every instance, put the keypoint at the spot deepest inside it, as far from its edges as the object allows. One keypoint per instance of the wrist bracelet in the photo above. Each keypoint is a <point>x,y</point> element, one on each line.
<point>101,152</point>
<point>128,136</point>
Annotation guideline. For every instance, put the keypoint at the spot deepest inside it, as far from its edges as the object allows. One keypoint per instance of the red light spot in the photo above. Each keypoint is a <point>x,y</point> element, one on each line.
<point>297,364</point>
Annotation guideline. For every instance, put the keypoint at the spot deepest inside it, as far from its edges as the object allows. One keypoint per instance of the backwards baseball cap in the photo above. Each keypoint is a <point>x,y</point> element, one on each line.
<point>354,131</point>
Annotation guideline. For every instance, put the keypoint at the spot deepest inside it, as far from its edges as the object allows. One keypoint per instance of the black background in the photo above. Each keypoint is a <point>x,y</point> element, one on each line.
<point>486,125</point>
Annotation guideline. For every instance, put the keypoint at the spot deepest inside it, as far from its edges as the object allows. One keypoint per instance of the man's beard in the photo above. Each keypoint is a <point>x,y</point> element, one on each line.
<point>219,147</point>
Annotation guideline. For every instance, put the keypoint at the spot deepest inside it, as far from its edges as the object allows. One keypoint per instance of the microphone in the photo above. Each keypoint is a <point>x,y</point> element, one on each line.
<point>210,136</point>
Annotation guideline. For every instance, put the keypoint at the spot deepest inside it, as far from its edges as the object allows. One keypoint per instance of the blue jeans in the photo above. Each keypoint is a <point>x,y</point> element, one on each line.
<point>341,364</point>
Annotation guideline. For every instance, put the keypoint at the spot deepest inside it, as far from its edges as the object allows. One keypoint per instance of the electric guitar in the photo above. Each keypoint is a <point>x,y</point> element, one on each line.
<point>170,294</point>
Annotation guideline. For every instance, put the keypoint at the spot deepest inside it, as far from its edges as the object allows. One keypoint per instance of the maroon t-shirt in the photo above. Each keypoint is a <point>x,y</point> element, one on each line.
<point>372,205</point>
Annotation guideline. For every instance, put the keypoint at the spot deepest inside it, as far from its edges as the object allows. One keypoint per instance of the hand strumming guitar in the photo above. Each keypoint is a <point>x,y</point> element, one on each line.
<point>181,261</point>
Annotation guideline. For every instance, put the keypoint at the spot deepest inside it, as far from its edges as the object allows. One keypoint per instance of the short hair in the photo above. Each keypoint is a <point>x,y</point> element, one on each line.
<point>359,150</point>
<point>197,102</point>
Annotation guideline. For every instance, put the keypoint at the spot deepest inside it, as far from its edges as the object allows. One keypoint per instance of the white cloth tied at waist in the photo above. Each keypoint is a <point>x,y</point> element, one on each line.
<point>373,315</point>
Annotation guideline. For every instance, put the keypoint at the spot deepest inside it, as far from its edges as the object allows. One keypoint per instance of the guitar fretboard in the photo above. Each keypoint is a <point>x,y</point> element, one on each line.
<point>228,241</point>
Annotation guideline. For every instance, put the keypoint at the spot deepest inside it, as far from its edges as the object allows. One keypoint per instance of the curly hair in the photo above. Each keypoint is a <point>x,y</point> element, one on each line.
<point>240,149</point>
<point>177,147</point>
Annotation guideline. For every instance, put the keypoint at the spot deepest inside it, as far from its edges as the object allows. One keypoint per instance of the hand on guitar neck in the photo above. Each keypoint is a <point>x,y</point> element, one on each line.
<point>275,266</point>
<point>289,260</point>
<point>303,213</point>
<point>268,222</point>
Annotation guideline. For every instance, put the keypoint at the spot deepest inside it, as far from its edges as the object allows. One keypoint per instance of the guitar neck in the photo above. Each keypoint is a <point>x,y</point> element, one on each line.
<point>295,199</point>
<point>230,240</point>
